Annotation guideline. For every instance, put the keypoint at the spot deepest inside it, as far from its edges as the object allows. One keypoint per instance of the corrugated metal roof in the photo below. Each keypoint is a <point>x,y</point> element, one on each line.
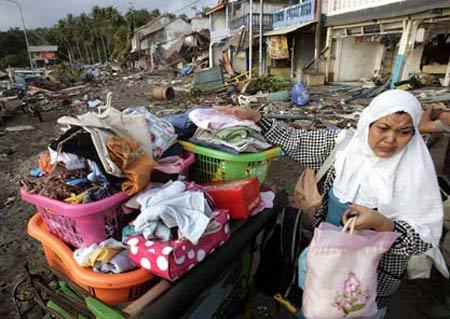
<point>43,48</point>
<point>288,29</point>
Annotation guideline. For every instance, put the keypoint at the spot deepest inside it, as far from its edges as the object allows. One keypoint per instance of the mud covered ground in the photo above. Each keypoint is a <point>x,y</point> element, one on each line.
<point>18,153</point>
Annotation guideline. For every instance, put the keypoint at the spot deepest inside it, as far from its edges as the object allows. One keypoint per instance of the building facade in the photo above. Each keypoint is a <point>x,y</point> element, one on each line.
<point>43,55</point>
<point>392,39</point>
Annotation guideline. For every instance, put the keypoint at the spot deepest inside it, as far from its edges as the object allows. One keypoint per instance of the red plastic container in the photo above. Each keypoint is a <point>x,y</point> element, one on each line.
<point>240,197</point>
<point>81,224</point>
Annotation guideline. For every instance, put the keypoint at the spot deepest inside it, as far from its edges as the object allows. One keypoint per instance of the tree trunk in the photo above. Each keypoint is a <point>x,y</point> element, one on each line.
<point>104,48</point>
<point>86,51</point>
<point>82,60</point>
<point>92,55</point>
<point>108,47</point>
<point>99,55</point>
<point>70,56</point>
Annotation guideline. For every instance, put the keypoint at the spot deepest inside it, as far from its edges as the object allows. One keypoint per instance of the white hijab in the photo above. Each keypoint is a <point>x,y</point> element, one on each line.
<point>402,187</point>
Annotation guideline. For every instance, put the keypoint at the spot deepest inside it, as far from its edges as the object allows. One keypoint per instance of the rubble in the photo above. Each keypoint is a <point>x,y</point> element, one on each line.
<point>20,128</point>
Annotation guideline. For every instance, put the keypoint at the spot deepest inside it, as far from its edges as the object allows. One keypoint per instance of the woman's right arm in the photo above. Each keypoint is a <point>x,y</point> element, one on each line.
<point>309,147</point>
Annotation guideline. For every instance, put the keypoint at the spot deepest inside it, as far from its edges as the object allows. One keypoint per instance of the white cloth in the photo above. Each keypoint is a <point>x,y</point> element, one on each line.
<point>96,174</point>
<point>71,161</point>
<point>161,132</point>
<point>214,120</point>
<point>402,187</point>
<point>172,206</point>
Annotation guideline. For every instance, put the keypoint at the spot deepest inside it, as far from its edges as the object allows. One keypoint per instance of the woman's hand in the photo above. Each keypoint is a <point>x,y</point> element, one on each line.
<point>245,114</point>
<point>368,219</point>
<point>429,124</point>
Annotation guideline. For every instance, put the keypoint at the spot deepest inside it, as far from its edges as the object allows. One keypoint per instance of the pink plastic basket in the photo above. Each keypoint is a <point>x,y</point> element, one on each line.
<point>83,224</point>
<point>180,167</point>
<point>170,168</point>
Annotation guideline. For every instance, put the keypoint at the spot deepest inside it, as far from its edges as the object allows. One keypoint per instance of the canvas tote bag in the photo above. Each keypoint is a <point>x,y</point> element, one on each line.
<point>341,277</point>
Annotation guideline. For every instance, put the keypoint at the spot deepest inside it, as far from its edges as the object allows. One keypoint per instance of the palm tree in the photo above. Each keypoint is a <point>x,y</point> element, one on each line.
<point>98,18</point>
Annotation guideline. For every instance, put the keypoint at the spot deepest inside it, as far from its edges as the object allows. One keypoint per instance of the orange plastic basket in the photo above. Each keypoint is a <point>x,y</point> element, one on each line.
<point>110,288</point>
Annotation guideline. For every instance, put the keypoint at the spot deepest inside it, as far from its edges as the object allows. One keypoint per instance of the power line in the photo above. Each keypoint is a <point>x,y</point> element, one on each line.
<point>186,6</point>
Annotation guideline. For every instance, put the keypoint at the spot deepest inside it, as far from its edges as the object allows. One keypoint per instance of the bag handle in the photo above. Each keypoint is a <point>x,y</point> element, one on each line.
<point>330,159</point>
<point>350,225</point>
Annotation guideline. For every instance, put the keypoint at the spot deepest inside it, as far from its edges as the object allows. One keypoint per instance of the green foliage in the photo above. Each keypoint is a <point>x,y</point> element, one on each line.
<point>67,75</point>
<point>13,48</point>
<point>268,83</point>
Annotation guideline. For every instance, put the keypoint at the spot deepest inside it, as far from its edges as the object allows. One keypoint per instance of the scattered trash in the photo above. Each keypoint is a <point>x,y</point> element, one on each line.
<point>300,96</point>
<point>9,200</point>
<point>209,79</point>
<point>36,172</point>
<point>186,70</point>
<point>19,128</point>
<point>163,93</point>
<point>94,103</point>
<point>77,103</point>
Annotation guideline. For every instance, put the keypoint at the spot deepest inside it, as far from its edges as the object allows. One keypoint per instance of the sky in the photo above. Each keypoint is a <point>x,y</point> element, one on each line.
<point>44,13</point>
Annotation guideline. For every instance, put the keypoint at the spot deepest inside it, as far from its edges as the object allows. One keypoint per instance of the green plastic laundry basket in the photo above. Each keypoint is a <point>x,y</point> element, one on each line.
<point>213,165</point>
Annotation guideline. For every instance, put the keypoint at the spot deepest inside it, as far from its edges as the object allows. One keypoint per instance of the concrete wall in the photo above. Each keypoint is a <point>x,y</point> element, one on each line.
<point>304,49</point>
<point>217,55</point>
<point>389,56</point>
<point>239,61</point>
<point>144,30</point>
<point>412,62</point>
<point>218,20</point>
<point>356,61</point>
<point>157,37</point>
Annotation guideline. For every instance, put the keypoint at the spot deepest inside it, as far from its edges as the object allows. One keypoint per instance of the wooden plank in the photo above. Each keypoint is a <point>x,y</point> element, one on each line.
<point>435,68</point>
<point>136,306</point>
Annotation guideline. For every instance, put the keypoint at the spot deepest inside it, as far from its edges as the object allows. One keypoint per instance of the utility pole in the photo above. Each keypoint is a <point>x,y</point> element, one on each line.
<point>250,41</point>
<point>24,30</point>
<point>317,39</point>
<point>261,9</point>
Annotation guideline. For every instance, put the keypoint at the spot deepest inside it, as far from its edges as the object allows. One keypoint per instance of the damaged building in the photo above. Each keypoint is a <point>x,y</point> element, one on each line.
<point>168,41</point>
<point>288,30</point>
<point>151,39</point>
<point>333,40</point>
<point>230,24</point>
<point>391,39</point>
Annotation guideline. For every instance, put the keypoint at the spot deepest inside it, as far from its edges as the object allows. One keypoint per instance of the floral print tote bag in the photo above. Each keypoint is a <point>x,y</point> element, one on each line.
<point>341,278</point>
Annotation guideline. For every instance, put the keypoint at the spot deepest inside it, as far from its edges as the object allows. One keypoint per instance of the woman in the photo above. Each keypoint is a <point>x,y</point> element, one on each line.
<point>385,172</point>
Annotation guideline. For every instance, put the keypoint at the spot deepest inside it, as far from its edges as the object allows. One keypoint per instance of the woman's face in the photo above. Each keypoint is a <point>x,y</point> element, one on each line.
<point>390,134</point>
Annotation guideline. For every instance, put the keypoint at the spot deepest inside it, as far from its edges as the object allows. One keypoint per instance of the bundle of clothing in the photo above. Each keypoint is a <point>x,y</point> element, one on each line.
<point>214,129</point>
<point>108,150</point>
<point>174,210</point>
<point>110,256</point>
